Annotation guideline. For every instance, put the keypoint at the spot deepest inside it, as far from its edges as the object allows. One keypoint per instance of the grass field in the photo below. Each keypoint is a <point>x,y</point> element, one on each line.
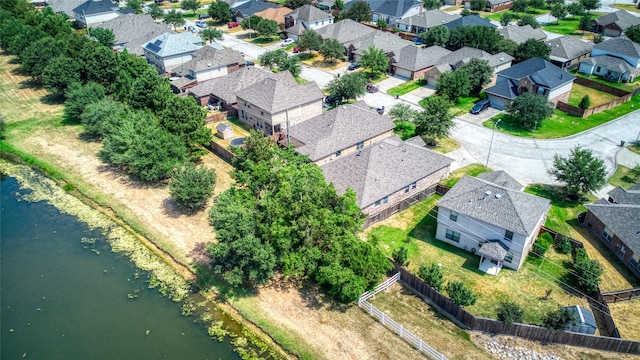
<point>621,178</point>
<point>406,87</point>
<point>596,97</point>
<point>316,59</point>
<point>628,7</point>
<point>471,170</point>
<point>571,26</point>
<point>623,314</point>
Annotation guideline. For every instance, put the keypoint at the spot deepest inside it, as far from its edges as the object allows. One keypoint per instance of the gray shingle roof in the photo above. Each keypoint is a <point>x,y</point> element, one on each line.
<point>226,87</point>
<point>496,2</point>
<point>539,71</point>
<point>296,29</point>
<point>501,178</point>
<point>309,14</point>
<point>64,6</point>
<point>621,18</point>
<point>169,44</point>
<point>565,48</point>
<point>395,8</point>
<point>251,7</point>
<point>471,20</point>
<point>344,31</point>
<point>429,19</point>
<point>209,57</point>
<point>620,45</point>
<point>382,169</point>
<point>622,218</point>
<point>506,89</point>
<point>386,41</point>
<point>494,249</point>
<point>133,31</point>
<point>465,54</point>
<point>91,7</point>
<point>338,129</point>
<point>611,63</point>
<point>513,210</point>
<point>281,92</point>
<point>415,58</point>
<point>520,34</point>
<point>582,317</point>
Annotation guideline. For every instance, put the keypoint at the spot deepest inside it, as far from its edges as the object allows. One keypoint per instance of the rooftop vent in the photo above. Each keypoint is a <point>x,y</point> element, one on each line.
<point>209,64</point>
<point>487,193</point>
<point>501,58</point>
<point>381,146</point>
<point>498,196</point>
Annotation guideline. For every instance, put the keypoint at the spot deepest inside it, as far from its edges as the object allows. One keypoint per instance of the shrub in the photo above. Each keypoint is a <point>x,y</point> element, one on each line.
<point>191,186</point>
<point>589,271</point>
<point>585,102</point>
<point>460,294</point>
<point>542,244</point>
<point>432,275</point>
<point>559,319</point>
<point>510,312</point>
<point>400,256</point>
<point>563,246</point>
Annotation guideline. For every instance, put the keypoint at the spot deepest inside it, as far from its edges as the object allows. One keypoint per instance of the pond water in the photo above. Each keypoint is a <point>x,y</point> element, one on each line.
<point>63,297</point>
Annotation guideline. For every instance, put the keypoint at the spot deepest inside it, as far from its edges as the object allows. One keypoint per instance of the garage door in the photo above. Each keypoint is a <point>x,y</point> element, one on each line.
<point>403,73</point>
<point>497,102</point>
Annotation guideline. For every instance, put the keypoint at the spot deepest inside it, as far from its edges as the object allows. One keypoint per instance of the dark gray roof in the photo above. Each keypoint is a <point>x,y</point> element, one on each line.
<point>540,72</point>
<point>429,19</point>
<point>181,82</point>
<point>622,219</point>
<point>415,58</point>
<point>507,89</point>
<point>501,178</point>
<point>222,127</point>
<point>416,140</point>
<point>567,47</point>
<point>620,45</point>
<point>281,92</point>
<point>619,195</point>
<point>64,6</point>
<point>496,2</point>
<point>296,29</point>
<point>338,129</point>
<point>382,169</point>
<point>582,317</point>
<point>169,44</point>
<point>226,87</point>
<point>520,34</point>
<point>611,63</point>
<point>394,8</point>
<point>465,54</point>
<point>621,18</point>
<point>309,14</point>
<point>344,31</point>
<point>209,57</point>
<point>508,209</point>
<point>386,41</point>
<point>251,7</point>
<point>91,7</point>
<point>471,20</point>
<point>494,249</point>
<point>133,31</point>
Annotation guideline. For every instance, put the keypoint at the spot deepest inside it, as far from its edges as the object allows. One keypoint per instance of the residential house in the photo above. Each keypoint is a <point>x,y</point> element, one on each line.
<point>520,34</point>
<point>567,51</point>
<point>274,104</point>
<point>453,2</point>
<point>413,62</point>
<point>65,7</point>
<point>535,76</point>
<point>221,92</point>
<point>615,59</point>
<point>306,17</point>
<point>583,320</point>
<point>244,10</point>
<point>390,10</point>
<point>327,5</point>
<point>133,31</point>
<point>345,31</point>
<point>498,5</point>
<point>93,12</point>
<point>275,14</point>
<point>455,59</point>
<point>616,221</point>
<point>206,63</point>
<point>387,173</point>
<point>614,24</point>
<point>386,41</point>
<point>497,222</point>
<point>340,132</point>
<point>170,50</point>
<point>471,20</point>
<point>424,21</point>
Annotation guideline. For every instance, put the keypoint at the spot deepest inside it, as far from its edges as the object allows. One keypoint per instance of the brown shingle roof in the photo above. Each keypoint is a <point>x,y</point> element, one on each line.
<point>276,14</point>
<point>276,94</point>
<point>226,87</point>
<point>209,57</point>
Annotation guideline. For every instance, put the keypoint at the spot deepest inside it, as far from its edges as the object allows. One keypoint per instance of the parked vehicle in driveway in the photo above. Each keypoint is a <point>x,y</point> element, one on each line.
<point>418,40</point>
<point>203,16</point>
<point>330,100</point>
<point>232,25</point>
<point>249,63</point>
<point>191,28</point>
<point>296,50</point>
<point>480,106</point>
<point>287,42</point>
<point>353,66</point>
<point>202,24</point>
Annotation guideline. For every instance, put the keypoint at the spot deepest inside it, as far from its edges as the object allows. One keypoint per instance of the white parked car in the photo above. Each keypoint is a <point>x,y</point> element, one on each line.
<point>287,42</point>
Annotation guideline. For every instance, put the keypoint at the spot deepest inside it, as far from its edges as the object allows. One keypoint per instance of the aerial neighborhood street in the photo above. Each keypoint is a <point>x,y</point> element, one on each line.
<point>342,179</point>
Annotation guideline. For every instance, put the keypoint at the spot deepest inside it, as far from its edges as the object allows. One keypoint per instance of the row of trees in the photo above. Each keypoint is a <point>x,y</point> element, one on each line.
<point>146,130</point>
<point>278,59</point>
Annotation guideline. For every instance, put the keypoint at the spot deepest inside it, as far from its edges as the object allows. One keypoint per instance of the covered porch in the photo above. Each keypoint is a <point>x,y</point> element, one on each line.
<point>492,254</point>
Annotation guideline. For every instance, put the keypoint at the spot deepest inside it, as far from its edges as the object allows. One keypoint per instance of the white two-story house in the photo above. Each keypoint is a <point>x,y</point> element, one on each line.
<point>169,50</point>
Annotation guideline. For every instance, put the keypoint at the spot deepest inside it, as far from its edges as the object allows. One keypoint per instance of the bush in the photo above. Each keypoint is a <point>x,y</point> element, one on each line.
<point>400,256</point>
<point>585,102</point>
<point>191,186</point>
<point>589,271</point>
<point>542,244</point>
<point>559,319</point>
<point>432,275</point>
<point>563,246</point>
<point>460,294</point>
<point>510,312</point>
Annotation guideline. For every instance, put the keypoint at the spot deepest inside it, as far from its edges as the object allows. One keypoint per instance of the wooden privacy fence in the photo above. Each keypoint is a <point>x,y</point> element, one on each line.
<point>622,96</point>
<point>531,332</point>
<point>390,323</point>
<point>622,295</point>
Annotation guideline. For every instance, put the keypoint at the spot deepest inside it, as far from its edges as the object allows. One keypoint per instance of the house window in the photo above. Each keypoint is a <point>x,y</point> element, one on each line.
<point>338,153</point>
<point>540,91</point>
<point>385,200</point>
<point>453,235</point>
<point>598,69</point>
<point>508,235</point>
<point>406,189</point>
<point>634,261</point>
<point>607,235</point>
<point>316,23</point>
<point>453,215</point>
<point>381,201</point>
<point>509,257</point>
<point>242,114</point>
<point>414,184</point>
<point>360,145</point>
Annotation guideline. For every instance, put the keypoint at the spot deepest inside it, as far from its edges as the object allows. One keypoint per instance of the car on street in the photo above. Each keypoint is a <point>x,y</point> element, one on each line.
<point>202,24</point>
<point>203,16</point>
<point>353,66</point>
<point>480,106</point>
<point>249,63</point>
<point>191,28</point>
<point>232,25</point>
<point>287,42</point>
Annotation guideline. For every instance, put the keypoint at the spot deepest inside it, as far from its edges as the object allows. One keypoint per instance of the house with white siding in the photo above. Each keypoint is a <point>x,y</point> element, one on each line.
<point>170,50</point>
<point>94,12</point>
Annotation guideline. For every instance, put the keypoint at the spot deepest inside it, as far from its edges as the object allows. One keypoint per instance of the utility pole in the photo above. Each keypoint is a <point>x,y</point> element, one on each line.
<point>491,143</point>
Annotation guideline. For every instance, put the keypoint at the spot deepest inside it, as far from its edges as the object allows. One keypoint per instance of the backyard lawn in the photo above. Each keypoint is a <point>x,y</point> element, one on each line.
<point>471,170</point>
<point>316,59</point>
<point>571,26</point>
<point>621,178</point>
<point>596,97</point>
<point>495,16</point>
<point>620,85</point>
<point>628,7</point>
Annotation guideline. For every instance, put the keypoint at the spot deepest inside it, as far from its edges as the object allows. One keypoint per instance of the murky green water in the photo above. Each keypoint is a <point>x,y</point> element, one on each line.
<point>63,298</point>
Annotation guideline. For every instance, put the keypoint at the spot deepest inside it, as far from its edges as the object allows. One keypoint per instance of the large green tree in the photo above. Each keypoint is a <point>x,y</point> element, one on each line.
<point>190,5</point>
<point>36,57</point>
<point>375,60</point>
<point>529,110</point>
<point>135,5</point>
<point>359,11</point>
<point>149,90</point>
<point>210,33</point>
<point>431,4</point>
<point>480,73</point>
<point>102,117</point>
<point>191,186</point>
<point>590,4</point>
<point>349,86</point>
<point>155,11</point>
<point>437,35</point>
<point>454,84</point>
<point>530,20</point>
<point>479,37</point>
<point>220,11</point>
<point>478,5</point>
<point>271,59</point>
<point>559,11</point>
<point>267,27</point>
<point>331,49</point>
<point>183,117</point>
<point>103,36</point>
<point>580,171</point>
<point>532,48</point>
<point>519,6</point>
<point>309,40</point>
<point>79,96</point>
<point>436,120</point>
<point>575,9</point>
<point>633,33</point>
<point>60,73</point>
<point>510,312</point>
<point>174,18</point>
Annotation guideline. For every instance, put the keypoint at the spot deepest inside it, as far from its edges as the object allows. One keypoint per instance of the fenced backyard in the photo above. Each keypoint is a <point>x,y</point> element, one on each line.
<point>614,96</point>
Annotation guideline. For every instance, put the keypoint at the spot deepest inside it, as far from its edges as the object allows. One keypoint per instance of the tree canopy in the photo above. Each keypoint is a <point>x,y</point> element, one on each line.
<point>431,4</point>
<point>580,171</point>
<point>359,11</point>
<point>220,11</point>
<point>454,84</point>
<point>191,186</point>
<point>190,5</point>
<point>104,36</point>
<point>436,120</point>
<point>437,35</point>
<point>375,60</point>
<point>183,117</point>
<point>532,48</point>
<point>349,86</point>
<point>480,73</point>
<point>209,34</point>
<point>331,49</point>
<point>530,109</point>
<point>309,40</point>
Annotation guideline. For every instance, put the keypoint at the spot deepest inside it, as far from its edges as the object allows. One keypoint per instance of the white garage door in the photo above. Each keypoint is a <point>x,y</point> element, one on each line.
<point>403,73</point>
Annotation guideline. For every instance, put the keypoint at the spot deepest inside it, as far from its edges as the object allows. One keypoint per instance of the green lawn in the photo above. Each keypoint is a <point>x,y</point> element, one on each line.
<point>564,212</point>
<point>621,178</point>
<point>571,26</point>
<point>635,148</point>
<point>628,7</point>
<point>445,145</point>
<point>560,124</point>
<point>497,15</point>
<point>471,170</point>
<point>621,85</point>
<point>378,77</point>
<point>265,40</point>
<point>597,97</point>
<point>465,104</point>
<point>406,87</point>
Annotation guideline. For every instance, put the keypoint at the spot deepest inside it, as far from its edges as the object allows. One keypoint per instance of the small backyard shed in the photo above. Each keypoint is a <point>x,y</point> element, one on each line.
<point>584,323</point>
<point>224,131</point>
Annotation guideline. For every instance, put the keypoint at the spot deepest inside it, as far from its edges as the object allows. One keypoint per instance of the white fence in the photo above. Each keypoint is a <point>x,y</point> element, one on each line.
<point>390,323</point>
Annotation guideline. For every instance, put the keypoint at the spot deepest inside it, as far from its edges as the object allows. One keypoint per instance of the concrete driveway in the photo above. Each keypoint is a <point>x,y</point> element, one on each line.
<point>390,82</point>
<point>479,118</point>
<point>321,77</point>
<point>251,51</point>
<point>418,94</point>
